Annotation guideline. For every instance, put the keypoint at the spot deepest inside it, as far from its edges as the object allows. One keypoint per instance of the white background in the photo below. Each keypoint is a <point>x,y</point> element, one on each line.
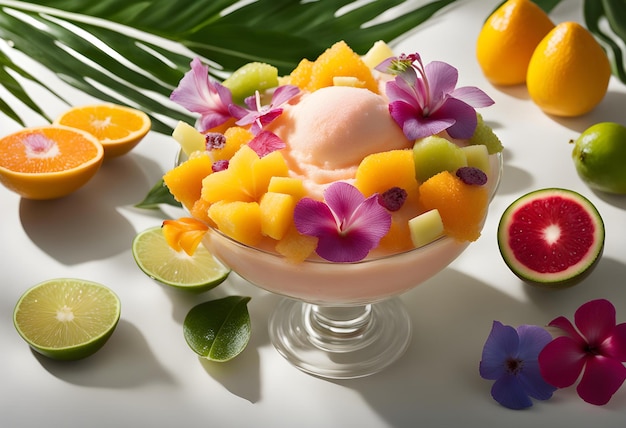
<point>146,375</point>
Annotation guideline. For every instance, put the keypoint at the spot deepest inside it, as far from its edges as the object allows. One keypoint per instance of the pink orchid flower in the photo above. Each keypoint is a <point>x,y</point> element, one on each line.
<point>259,115</point>
<point>424,100</point>
<point>348,225</point>
<point>596,347</point>
<point>198,93</point>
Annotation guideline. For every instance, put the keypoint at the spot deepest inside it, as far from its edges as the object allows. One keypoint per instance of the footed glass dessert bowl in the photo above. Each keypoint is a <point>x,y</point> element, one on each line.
<point>341,320</point>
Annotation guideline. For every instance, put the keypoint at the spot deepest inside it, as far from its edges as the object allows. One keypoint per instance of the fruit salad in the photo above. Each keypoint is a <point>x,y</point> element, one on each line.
<point>347,158</point>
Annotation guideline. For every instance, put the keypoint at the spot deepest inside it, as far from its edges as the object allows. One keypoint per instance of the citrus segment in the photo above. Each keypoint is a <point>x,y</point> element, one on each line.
<point>118,128</point>
<point>569,72</point>
<point>340,60</point>
<point>67,318</point>
<point>157,259</point>
<point>551,237</point>
<point>507,40</point>
<point>49,161</point>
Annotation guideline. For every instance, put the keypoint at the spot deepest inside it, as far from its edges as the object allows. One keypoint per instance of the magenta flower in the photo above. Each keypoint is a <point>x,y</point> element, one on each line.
<point>424,101</point>
<point>261,115</point>
<point>266,142</point>
<point>596,347</point>
<point>198,93</point>
<point>348,225</point>
<point>510,358</point>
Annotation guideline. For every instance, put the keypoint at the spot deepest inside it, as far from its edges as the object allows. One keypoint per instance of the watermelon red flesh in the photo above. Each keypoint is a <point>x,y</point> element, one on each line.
<point>551,234</point>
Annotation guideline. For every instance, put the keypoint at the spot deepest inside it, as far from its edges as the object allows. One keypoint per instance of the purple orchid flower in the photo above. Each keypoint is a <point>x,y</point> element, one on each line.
<point>198,93</point>
<point>596,347</point>
<point>259,115</point>
<point>510,358</point>
<point>348,225</point>
<point>424,101</point>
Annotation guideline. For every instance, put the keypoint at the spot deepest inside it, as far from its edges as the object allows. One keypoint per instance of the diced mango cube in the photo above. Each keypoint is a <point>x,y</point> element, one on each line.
<point>276,214</point>
<point>185,180</point>
<point>296,247</point>
<point>238,220</point>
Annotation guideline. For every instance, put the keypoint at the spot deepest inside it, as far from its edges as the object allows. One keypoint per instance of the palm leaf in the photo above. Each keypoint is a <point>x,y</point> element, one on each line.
<point>135,52</point>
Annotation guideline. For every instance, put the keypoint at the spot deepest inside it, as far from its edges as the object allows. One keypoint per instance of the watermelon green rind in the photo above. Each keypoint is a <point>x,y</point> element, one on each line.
<point>572,275</point>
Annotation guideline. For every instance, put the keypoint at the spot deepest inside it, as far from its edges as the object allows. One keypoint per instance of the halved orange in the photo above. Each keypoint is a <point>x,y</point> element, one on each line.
<point>119,128</point>
<point>48,162</point>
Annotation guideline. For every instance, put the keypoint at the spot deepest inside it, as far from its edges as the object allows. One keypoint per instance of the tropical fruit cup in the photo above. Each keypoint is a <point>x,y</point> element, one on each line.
<point>59,177</point>
<point>330,199</point>
<point>327,283</point>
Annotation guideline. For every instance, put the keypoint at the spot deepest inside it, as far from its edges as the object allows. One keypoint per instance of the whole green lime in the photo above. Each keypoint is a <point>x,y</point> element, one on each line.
<point>600,157</point>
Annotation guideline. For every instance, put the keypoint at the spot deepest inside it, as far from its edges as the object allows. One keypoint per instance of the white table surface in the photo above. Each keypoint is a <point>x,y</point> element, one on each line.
<point>146,375</point>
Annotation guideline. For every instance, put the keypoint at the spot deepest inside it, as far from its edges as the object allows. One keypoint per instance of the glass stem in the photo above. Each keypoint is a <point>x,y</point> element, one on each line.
<point>338,328</point>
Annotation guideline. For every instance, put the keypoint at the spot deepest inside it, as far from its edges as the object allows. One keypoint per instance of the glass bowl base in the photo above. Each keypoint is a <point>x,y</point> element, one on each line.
<point>341,342</point>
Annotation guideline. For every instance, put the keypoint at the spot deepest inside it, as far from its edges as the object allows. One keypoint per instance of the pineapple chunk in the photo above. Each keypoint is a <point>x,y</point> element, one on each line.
<point>238,220</point>
<point>190,139</point>
<point>426,227</point>
<point>379,52</point>
<point>276,214</point>
<point>289,185</point>
<point>478,157</point>
<point>348,81</point>
<point>296,247</point>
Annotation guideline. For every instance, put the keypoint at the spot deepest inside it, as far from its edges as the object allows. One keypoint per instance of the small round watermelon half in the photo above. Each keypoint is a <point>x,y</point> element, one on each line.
<point>551,237</point>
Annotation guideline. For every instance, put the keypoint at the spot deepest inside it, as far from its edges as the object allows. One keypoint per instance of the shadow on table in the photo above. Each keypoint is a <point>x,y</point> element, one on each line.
<point>436,383</point>
<point>125,361</point>
<point>86,225</point>
<point>241,375</point>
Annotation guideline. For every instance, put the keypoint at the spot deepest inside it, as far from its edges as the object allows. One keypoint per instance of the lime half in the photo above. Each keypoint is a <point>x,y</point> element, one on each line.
<point>66,318</point>
<point>199,272</point>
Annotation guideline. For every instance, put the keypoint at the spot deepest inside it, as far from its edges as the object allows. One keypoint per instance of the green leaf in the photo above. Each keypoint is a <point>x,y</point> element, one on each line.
<point>133,52</point>
<point>218,330</point>
<point>613,10</point>
<point>159,194</point>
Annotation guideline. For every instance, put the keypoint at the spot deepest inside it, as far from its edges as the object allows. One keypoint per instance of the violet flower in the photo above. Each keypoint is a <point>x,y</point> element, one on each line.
<point>347,226</point>
<point>596,347</point>
<point>510,358</point>
<point>198,93</point>
<point>424,101</point>
<point>261,115</point>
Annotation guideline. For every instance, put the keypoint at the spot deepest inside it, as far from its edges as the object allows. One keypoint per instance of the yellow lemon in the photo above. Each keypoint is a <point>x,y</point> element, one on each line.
<point>508,39</point>
<point>569,72</point>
